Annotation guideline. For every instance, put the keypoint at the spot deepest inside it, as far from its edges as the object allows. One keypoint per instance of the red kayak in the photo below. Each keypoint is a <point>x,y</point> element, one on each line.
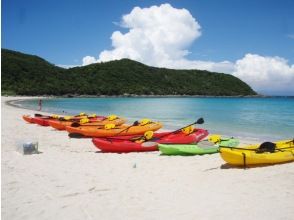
<point>28,119</point>
<point>125,144</point>
<point>46,120</point>
<point>38,119</point>
<point>42,121</point>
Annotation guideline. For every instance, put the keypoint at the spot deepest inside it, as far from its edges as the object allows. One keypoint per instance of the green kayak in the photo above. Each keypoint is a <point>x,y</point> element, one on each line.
<point>203,147</point>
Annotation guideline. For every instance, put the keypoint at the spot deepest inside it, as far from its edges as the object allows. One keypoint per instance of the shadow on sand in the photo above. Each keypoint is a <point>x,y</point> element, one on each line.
<point>228,166</point>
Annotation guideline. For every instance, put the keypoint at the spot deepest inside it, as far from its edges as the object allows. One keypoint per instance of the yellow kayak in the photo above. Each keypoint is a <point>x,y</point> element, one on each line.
<point>283,151</point>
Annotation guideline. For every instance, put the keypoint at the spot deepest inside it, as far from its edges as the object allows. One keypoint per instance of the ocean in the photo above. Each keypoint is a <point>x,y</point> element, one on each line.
<point>251,118</point>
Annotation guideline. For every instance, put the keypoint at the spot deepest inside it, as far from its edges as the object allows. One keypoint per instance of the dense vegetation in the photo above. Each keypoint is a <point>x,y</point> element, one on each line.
<point>24,74</point>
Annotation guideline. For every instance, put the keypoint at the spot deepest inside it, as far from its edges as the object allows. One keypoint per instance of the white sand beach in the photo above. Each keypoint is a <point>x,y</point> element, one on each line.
<point>71,179</point>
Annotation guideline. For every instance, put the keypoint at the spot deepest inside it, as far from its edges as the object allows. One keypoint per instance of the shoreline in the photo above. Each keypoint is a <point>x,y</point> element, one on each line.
<point>10,101</point>
<point>245,138</point>
<point>71,179</point>
<point>153,96</point>
<point>242,135</point>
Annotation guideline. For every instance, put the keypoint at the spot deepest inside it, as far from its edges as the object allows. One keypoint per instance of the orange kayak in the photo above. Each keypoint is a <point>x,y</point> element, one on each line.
<point>60,125</point>
<point>122,130</point>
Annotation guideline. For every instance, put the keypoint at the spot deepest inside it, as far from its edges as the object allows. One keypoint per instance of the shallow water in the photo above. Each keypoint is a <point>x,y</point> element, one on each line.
<point>255,118</point>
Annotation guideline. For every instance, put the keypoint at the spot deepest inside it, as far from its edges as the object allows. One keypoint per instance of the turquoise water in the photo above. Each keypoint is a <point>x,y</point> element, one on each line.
<point>257,118</point>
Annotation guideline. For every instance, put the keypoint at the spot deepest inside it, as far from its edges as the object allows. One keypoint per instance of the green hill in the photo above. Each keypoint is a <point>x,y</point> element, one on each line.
<point>24,74</point>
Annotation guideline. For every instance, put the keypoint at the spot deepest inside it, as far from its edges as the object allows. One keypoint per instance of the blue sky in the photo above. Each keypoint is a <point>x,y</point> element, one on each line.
<point>64,32</point>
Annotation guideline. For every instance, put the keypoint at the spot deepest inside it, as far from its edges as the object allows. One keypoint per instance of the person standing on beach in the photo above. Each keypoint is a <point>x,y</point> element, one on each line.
<point>40,104</point>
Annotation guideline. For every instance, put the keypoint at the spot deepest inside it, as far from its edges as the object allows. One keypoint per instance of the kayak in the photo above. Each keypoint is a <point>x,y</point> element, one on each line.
<point>39,119</point>
<point>36,120</point>
<point>122,130</point>
<point>127,144</point>
<point>44,120</point>
<point>60,125</point>
<point>28,118</point>
<point>203,147</point>
<point>180,137</point>
<point>123,146</point>
<point>252,154</point>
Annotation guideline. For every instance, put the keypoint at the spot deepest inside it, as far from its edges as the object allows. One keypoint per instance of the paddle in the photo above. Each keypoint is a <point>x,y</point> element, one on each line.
<point>47,116</point>
<point>77,124</point>
<point>59,118</point>
<point>88,116</point>
<point>136,123</point>
<point>288,142</point>
<point>110,118</point>
<point>44,116</point>
<point>71,119</point>
<point>110,139</point>
<point>199,121</point>
<point>77,135</point>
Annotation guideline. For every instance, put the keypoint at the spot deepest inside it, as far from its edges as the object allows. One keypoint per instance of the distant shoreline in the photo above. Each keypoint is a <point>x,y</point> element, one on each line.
<point>141,96</point>
<point>149,96</point>
<point>21,98</point>
<point>19,102</point>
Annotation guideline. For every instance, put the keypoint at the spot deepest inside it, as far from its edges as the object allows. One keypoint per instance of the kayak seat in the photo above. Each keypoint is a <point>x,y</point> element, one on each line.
<point>266,147</point>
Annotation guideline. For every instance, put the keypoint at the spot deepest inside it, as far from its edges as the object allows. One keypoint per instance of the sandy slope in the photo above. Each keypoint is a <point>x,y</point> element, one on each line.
<point>71,180</point>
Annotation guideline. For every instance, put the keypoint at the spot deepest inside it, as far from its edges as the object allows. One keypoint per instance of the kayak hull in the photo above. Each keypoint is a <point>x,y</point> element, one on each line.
<point>243,157</point>
<point>41,121</point>
<point>28,119</point>
<point>61,125</point>
<point>124,144</point>
<point>200,148</point>
<point>122,130</point>
<point>44,120</point>
<point>182,138</point>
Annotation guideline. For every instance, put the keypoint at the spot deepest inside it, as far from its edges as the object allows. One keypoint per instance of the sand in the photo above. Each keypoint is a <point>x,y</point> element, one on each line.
<point>71,179</point>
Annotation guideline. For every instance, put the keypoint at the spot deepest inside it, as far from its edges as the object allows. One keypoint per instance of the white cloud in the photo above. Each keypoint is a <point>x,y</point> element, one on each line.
<point>88,60</point>
<point>66,66</point>
<point>156,35</point>
<point>161,35</point>
<point>266,74</point>
<point>224,66</point>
